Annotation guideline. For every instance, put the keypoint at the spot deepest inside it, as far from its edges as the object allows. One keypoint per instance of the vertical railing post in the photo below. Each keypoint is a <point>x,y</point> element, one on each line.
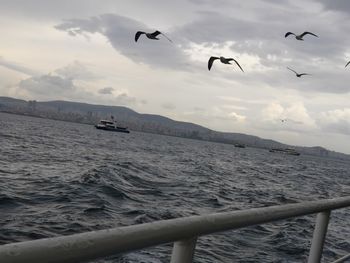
<point>319,237</point>
<point>183,251</point>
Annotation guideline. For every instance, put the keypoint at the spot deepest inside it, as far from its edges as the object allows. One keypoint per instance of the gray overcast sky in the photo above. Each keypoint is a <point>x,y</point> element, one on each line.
<point>84,50</point>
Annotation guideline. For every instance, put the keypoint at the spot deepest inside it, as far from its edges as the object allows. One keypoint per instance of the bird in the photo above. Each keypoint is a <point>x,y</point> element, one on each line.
<point>222,60</point>
<point>300,37</point>
<point>290,121</point>
<point>150,35</point>
<point>347,64</point>
<point>297,74</point>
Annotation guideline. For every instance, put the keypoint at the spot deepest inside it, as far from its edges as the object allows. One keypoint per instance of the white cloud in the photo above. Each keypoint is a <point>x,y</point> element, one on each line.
<point>237,117</point>
<point>234,107</point>
<point>337,121</point>
<point>298,114</point>
<point>273,112</point>
<point>293,117</point>
<point>233,99</point>
<point>216,114</point>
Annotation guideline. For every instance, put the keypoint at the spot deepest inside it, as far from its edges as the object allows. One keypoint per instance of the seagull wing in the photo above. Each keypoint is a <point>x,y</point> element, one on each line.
<point>292,70</point>
<point>138,34</point>
<point>156,33</point>
<point>308,33</point>
<point>166,37</point>
<point>236,63</point>
<point>347,64</point>
<point>210,62</point>
<point>289,33</point>
<point>302,74</point>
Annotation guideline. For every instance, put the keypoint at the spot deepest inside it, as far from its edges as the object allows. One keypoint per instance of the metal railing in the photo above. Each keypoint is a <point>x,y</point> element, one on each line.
<point>182,231</point>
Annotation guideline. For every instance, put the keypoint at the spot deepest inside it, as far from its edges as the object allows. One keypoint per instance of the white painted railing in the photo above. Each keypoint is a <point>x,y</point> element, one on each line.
<point>182,231</point>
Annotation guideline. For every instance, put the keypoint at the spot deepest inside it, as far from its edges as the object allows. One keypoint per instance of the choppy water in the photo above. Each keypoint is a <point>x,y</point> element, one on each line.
<point>59,178</point>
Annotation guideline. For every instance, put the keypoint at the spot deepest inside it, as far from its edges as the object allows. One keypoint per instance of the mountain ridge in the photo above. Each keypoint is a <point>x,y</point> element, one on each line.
<point>91,113</point>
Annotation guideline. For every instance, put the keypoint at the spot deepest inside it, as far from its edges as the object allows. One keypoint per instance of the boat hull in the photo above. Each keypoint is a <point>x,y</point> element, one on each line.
<point>117,129</point>
<point>285,151</point>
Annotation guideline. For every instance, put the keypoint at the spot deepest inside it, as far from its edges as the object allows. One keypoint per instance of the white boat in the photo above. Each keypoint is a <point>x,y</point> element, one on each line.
<point>108,125</point>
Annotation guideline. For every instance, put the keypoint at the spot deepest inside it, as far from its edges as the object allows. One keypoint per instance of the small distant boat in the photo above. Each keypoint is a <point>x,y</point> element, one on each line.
<point>110,126</point>
<point>239,145</point>
<point>289,151</point>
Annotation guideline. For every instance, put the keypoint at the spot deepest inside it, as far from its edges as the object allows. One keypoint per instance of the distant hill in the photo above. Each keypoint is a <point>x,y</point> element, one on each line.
<point>91,114</point>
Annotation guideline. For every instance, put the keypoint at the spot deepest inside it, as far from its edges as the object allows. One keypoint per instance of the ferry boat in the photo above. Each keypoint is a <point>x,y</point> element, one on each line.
<point>289,151</point>
<point>108,125</point>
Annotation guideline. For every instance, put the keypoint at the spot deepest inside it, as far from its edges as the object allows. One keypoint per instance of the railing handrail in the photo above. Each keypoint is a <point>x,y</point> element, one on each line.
<point>95,244</point>
<point>342,259</point>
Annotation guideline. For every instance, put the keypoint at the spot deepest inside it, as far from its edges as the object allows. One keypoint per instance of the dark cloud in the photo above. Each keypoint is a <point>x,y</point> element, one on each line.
<point>260,36</point>
<point>209,2</point>
<point>47,85</point>
<point>50,86</point>
<point>265,37</point>
<point>120,31</point>
<point>49,10</point>
<point>124,99</point>
<point>60,82</point>
<point>60,85</point>
<point>106,90</point>
<point>341,127</point>
<point>337,5</point>
<point>322,80</point>
<point>214,27</point>
<point>17,67</point>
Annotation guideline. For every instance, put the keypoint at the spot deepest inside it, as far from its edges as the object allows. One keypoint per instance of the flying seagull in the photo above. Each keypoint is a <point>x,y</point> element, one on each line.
<point>300,37</point>
<point>150,35</point>
<point>297,74</point>
<point>347,64</point>
<point>222,60</point>
<point>291,121</point>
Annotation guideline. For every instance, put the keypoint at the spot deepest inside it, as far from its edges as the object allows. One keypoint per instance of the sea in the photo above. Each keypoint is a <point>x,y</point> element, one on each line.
<point>60,178</point>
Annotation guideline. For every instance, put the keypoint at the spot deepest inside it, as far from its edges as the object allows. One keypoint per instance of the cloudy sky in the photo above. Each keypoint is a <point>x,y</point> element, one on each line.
<point>84,50</point>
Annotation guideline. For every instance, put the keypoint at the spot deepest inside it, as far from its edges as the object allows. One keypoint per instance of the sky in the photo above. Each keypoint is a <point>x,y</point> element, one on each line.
<point>84,50</point>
